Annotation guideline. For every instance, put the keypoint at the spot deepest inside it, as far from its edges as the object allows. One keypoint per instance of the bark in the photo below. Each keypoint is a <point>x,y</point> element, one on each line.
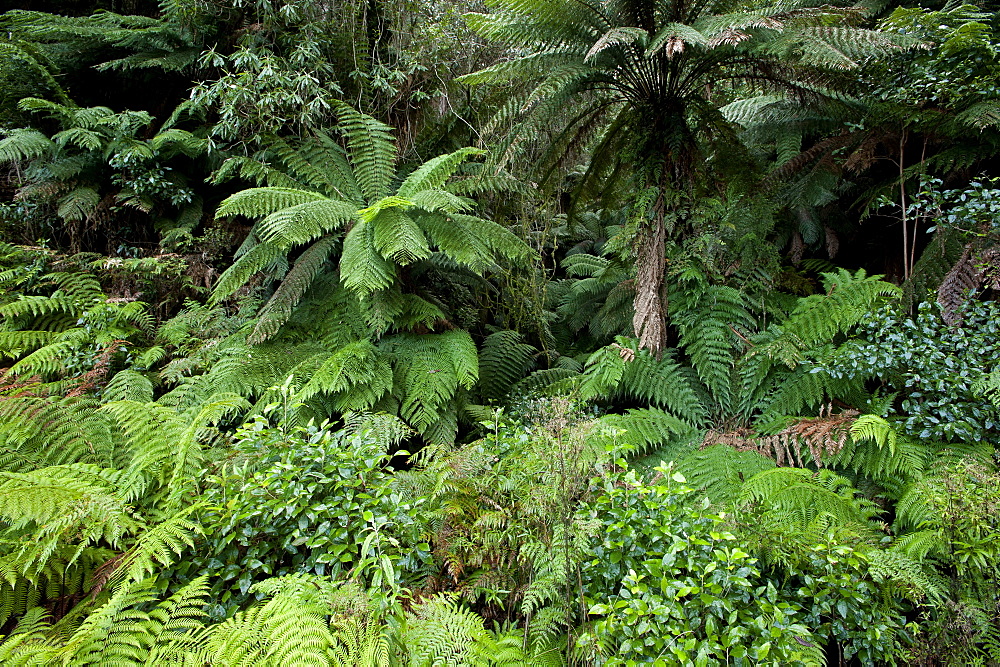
<point>649,320</point>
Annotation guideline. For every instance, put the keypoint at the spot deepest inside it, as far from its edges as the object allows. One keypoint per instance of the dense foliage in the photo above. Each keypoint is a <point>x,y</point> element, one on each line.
<point>523,332</point>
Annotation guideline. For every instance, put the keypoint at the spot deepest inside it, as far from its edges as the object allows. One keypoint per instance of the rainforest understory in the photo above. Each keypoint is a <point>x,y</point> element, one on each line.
<point>499,332</point>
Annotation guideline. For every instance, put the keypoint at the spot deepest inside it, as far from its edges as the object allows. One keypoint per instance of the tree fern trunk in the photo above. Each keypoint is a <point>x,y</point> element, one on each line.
<point>649,320</point>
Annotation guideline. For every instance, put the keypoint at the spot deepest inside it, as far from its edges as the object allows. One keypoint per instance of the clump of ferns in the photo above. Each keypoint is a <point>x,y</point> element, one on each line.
<point>504,509</point>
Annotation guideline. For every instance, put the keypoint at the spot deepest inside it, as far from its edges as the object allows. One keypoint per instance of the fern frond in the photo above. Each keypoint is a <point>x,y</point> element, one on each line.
<point>25,144</point>
<point>640,431</point>
<point>804,495</point>
<point>296,283</point>
<point>503,361</point>
<point>434,173</point>
<point>371,150</point>
<point>439,630</point>
<point>720,470</point>
<point>362,268</point>
<point>262,202</point>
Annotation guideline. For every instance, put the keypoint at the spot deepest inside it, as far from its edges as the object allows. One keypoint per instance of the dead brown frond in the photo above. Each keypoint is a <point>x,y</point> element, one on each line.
<point>820,436</point>
<point>958,283</point>
<point>12,386</point>
<point>729,37</point>
<point>626,353</point>
<point>673,46</point>
<point>832,242</point>
<point>105,572</point>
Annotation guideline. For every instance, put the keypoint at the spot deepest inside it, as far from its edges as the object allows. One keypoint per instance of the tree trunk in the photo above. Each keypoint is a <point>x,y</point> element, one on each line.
<point>649,320</point>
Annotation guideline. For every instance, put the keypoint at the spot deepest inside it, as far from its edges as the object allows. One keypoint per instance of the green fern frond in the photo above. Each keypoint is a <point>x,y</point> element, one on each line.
<point>282,631</point>
<point>621,371</point>
<point>129,385</point>
<point>261,202</point>
<point>296,283</point>
<point>362,268</point>
<point>372,151</point>
<point>503,361</point>
<point>434,173</point>
<point>804,495</point>
<point>640,431</point>
<point>720,470</point>
<point>440,631</point>
<point>397,237</point>
<point>708,317</point>
<point>25,144</point>
<point>244,268</point>
<point>849,298</point>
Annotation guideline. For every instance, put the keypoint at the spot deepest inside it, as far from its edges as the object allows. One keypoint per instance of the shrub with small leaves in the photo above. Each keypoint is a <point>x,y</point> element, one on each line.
<point>841,603</point>
<point>307,501</point>
<point>934,367</point>
<point>667,584</point>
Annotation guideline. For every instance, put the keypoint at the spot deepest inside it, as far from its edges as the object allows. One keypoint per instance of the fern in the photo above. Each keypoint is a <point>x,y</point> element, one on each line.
<point>709,318</point>
<point>503,361</point>
<point>637,432</point>
<point>619,371</point>
<point>382,231</point>
<point>848,299</point>
<point>281,631</point>
<point>372,151</point>
<point>439,631</point>
<point>720,470</point>
<point>360,640</point>
<point>804,496</point>
<point>431,369</point>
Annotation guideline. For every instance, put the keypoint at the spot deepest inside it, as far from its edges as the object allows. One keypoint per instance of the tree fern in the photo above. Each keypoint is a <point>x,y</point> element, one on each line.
<point>383,230</point>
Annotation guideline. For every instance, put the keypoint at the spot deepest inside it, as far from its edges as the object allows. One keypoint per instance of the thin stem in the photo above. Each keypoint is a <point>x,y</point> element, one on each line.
<point>902,204</point>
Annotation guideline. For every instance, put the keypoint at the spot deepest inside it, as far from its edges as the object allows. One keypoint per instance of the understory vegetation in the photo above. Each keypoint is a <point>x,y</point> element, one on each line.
<point>516,332</point>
